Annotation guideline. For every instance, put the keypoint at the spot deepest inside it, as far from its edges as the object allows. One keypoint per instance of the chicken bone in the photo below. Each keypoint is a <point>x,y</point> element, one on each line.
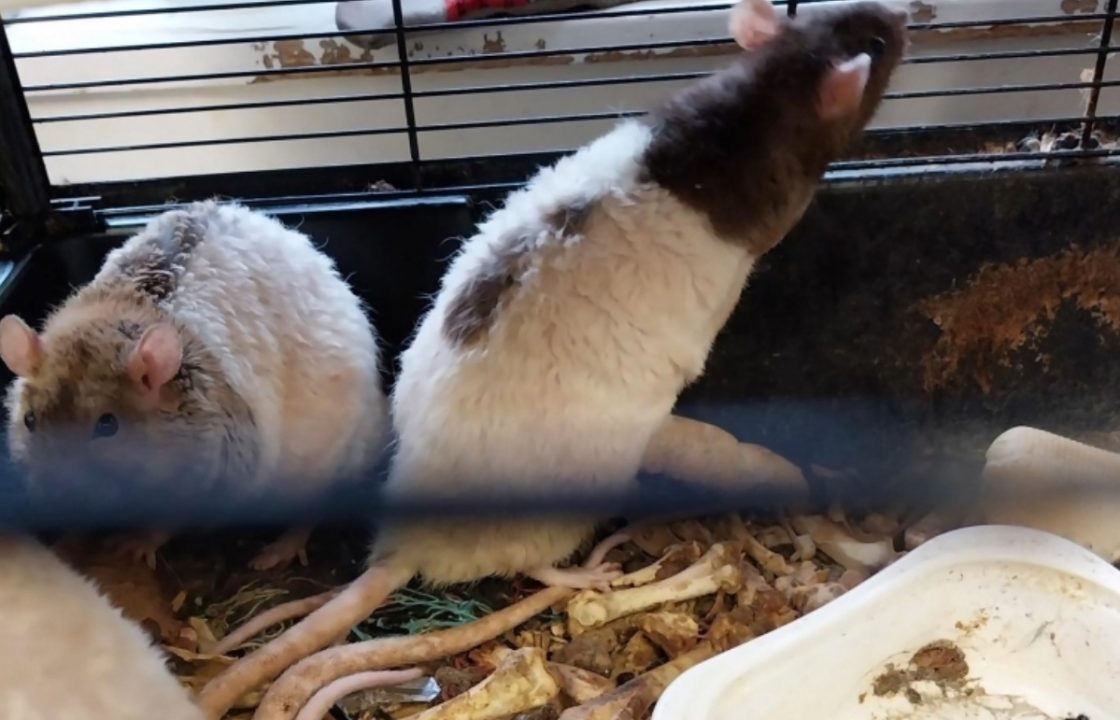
<point>521,682</point>
<point>676,558</point>
<point>633,700</point>
<point>833,540</point>
<point>718,569</point>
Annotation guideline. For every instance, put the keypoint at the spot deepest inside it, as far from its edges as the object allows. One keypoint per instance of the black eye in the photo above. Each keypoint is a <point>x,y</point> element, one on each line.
<point>106,426</point>
<point>29,421</point>
<point>876,47</point>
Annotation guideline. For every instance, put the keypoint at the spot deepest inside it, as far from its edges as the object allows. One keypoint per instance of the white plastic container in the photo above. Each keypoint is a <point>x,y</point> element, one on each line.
<point>1036,617</point>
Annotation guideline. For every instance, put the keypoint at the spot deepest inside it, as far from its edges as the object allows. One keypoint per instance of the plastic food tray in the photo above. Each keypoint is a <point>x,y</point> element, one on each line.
<point>1034,617</point>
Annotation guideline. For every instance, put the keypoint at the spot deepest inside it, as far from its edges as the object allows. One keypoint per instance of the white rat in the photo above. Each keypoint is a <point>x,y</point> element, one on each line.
<point>217,347</point>
<point>67,654</point>
<point>567,326</point>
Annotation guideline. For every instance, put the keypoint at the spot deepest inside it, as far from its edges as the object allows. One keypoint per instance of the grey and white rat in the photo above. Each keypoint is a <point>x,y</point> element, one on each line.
<point>566,327</point>
<point>216,348</point>
<point>67,654</point>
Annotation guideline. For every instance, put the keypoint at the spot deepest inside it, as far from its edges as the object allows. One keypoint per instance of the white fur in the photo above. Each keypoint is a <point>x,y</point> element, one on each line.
<point>290,336</point>
<point>67,654</point>
<point>581,367</point>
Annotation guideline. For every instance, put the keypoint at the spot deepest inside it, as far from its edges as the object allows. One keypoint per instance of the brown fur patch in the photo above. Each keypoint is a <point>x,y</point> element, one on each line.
<point>156,267</point>
<point>475,308</point>
<point>570,219</point>
<point>745,147</point>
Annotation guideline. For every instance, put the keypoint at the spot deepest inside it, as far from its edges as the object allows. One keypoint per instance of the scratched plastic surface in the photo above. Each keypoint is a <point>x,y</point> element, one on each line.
<point>1036,617</point>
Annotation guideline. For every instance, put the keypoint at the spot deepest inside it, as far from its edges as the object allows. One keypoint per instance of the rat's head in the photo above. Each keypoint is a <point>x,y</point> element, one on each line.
<point>837,60</point>
<point>95,398</point>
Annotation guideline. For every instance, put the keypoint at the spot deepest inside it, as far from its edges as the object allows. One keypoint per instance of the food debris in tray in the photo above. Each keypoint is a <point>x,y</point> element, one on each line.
<point>940,662</point>
<point>936,680</point>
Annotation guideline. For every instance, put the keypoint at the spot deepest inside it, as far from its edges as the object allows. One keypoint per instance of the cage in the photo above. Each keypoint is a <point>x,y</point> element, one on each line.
<point>955,276</point>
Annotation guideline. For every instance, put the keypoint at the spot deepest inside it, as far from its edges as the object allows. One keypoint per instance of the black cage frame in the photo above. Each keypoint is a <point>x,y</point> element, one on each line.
<point>38,211</point>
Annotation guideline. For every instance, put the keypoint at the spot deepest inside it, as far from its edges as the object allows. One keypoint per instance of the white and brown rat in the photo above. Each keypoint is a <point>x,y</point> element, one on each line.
<point>566,327</point>
<point>216,348</point>
<point>67,654</point>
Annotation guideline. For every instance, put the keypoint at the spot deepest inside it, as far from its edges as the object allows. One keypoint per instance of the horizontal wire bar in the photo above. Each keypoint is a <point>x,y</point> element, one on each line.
<point>135,12</point>
<point>206,42</point>
<point>325,135</point>
<point>543,120</point>
<point>550,85</point>
<point>985,126</point>
<point>1003,55</point>
<point>231,75</point>
<point>958,158</point>
<point>1006,22</point>
<point>372,65</point>
<point>255,105</point>
<point>1000,89</point>
<point>441,127</point>
<point>443,92</point>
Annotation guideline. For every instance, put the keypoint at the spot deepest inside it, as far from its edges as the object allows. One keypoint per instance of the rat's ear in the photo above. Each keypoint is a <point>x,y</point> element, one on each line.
<point>156,358</point>
<point>20,347</point>
<point>753,23</point>
<point>841,90</point>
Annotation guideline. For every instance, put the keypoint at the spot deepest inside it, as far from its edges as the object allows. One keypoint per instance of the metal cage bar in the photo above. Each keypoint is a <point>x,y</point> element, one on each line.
<point>1098,74</point>
<point>24,184</point>
<point>424,174</point>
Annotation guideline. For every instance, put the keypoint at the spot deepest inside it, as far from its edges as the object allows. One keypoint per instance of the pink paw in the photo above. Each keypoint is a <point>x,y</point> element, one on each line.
<point>598,577</point>
<point>279,555</point>
<point>137,548</point>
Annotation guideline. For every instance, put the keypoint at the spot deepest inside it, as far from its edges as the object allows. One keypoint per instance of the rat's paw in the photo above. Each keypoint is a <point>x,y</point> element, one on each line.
<point>603,575</point>
<point>137,548</point>
<point>597,578</point>
<point>279,554</point>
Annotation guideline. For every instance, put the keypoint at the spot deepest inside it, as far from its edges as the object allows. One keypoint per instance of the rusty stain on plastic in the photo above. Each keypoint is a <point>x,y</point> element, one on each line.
<point>497,45</point>
<point>292,53</point>
<point>1007,32</point>
<point>729,48</point>
<point>922,12</point>
<point>1071,7</point>
<point>335,53</point>
<point>1008,307</point>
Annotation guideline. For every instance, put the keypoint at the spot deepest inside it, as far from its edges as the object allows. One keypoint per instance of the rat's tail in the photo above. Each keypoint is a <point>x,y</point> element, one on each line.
<point>330,622</point>
<point>288,694</point>
<point>321,702</point>
<point>273,616</point>
<point>298,685</point>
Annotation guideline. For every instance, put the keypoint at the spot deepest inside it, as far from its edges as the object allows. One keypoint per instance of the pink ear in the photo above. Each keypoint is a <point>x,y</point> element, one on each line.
<point>753,23</point>
<point>841,90</point>
<point>156,358</point>
<point>20,348</point>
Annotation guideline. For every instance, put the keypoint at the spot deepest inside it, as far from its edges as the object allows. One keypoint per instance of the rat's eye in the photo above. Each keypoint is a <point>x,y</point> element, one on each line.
<point>106,426</point>
<point>876,46</point>
<point>29,421</point>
